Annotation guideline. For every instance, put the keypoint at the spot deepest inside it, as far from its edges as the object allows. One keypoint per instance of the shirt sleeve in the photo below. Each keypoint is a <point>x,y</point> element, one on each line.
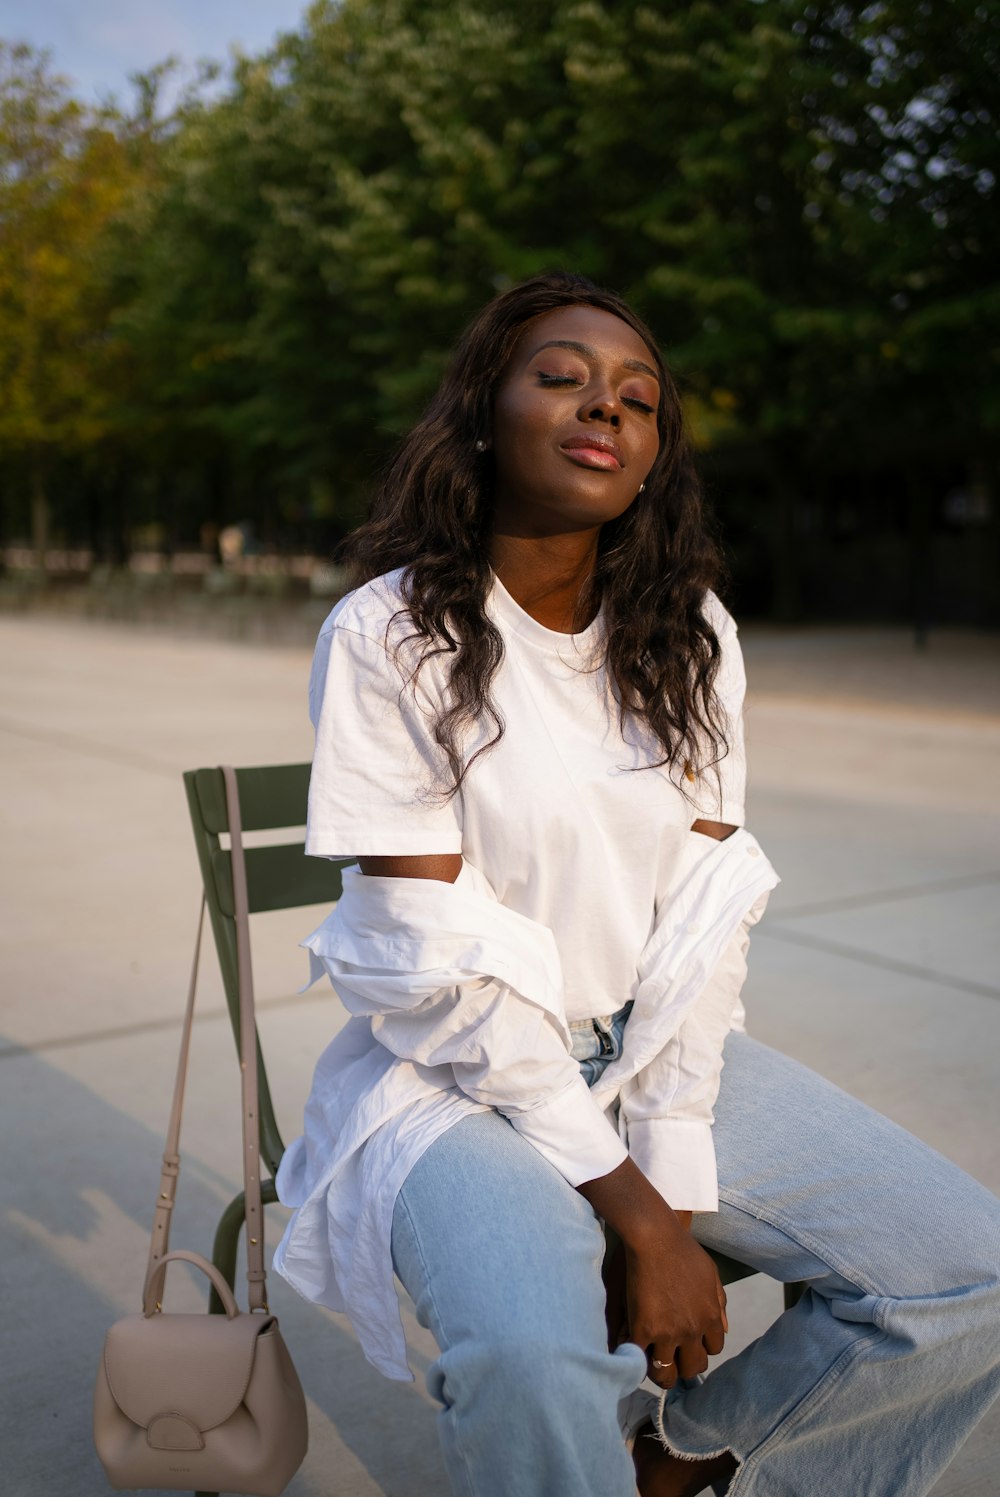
<point>720,790</point>
<point>507,1054</point>
<point>452,981</point>
<point>379,781</point>
<point>669,1114</point>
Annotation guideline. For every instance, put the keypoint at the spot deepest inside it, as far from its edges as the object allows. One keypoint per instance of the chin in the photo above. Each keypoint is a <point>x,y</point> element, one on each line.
<point>551,505</point>
<point>588,509</point>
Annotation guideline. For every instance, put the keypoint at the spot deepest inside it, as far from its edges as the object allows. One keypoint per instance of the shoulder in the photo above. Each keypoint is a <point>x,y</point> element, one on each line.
<point>353,648</point>
<point>368,644</point>
<point>730,683</point>
<point>371,611</point>
<point>717,614</point>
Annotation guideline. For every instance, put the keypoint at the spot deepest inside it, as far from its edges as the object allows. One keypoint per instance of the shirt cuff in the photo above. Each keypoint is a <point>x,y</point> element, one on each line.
<point>573,1134</point>
<point>677,1155</point>
<point>338,840</point>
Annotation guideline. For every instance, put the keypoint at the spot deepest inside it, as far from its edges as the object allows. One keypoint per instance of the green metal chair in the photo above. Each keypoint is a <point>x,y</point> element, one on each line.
<point>278,878</point>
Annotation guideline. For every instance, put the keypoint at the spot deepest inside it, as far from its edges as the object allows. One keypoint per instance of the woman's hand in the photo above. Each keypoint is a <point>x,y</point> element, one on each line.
<point>664,1291</point>
<point>676,1307</point>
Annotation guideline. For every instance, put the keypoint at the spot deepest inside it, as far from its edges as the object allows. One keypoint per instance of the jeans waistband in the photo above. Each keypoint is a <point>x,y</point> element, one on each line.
<point>597,1042</point>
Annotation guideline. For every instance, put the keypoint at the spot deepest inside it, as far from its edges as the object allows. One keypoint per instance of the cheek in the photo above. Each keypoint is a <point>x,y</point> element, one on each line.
<point>648,451</point>
<point>518,411</point>
<point>522,426</point>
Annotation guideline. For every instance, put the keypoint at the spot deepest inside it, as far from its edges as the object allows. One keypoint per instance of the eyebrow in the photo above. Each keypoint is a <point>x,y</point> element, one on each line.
<point>590,353</point>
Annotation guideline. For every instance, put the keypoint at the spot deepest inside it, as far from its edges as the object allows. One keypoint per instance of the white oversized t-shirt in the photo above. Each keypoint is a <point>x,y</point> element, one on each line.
<point>561,817</point>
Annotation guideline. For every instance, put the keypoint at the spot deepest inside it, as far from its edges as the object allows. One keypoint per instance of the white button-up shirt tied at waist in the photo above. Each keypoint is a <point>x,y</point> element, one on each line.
<point>456,1005</point>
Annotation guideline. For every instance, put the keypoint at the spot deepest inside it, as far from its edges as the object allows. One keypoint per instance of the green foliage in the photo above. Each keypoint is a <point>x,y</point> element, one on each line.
<point>252,298</point>
<point>59,184</point>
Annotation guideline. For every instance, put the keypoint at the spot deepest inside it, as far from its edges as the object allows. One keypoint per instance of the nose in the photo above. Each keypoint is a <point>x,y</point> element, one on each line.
<point>601,404</point>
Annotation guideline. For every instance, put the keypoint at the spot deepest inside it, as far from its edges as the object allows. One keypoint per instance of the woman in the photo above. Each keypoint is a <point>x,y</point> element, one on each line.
<point>529,735</point>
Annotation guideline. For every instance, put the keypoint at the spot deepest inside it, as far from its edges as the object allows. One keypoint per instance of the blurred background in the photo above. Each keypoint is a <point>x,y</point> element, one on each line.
<point>227,286</point>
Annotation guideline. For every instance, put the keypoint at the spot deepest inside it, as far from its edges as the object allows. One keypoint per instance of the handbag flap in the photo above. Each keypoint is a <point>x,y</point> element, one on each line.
<point>197,1366</point>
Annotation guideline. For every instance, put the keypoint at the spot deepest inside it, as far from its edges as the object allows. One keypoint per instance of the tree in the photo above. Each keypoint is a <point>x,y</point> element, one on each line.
<point>62,177</point>
<point>799,198</point>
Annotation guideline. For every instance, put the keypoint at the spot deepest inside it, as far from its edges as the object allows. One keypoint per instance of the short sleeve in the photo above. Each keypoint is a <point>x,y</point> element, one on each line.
<point>720,791</point>
<point>378,776</point>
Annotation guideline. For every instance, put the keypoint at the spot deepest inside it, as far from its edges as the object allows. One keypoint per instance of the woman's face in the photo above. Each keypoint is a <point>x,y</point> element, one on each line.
<point>574,424</point>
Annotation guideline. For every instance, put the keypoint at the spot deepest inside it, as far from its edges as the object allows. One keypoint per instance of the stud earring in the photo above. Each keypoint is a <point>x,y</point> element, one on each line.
<point>642,488</point>
<point>480,445</point>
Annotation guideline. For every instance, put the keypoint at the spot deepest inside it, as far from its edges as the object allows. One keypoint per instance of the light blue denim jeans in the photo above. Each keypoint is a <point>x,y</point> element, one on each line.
<point>868,1386</point>
<point>597,1042</point>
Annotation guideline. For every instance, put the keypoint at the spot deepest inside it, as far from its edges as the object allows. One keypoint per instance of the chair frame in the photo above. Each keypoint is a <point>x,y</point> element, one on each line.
<point>272,798</point>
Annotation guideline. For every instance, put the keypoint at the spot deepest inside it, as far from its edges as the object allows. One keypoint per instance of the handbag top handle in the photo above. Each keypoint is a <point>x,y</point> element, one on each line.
<point>254,1212</point>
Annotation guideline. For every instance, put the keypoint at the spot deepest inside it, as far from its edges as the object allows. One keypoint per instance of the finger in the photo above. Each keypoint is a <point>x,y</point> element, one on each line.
<point>714,1341</point>
<point>692,1359</point>
<point>661,1361</point>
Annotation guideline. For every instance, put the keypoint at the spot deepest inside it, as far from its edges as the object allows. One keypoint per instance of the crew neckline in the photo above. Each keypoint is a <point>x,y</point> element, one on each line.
<point>510,612</point>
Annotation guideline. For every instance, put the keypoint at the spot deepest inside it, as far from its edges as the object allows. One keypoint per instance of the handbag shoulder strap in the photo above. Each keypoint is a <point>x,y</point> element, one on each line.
<point>160,1242</point>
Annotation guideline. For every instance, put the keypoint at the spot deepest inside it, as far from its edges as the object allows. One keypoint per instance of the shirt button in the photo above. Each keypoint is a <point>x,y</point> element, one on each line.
<point>754,852</point>
<point>693,928</point>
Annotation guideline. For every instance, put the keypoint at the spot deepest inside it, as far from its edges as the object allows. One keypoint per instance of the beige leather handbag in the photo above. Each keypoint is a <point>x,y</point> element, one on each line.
<point>209,1403</point>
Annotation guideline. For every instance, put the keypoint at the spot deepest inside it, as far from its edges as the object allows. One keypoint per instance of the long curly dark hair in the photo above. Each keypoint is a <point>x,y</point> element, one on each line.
<point>432,516</point>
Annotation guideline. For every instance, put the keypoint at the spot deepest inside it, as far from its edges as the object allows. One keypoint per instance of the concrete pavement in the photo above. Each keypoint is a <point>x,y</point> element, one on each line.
<point>874,788</point>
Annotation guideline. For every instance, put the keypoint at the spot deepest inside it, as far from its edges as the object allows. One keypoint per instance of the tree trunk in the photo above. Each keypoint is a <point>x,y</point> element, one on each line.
<point>985,470</point>
<point>919,501</point>
<point>39,515</point>
<point>786,592</point>
<point>119,530</point>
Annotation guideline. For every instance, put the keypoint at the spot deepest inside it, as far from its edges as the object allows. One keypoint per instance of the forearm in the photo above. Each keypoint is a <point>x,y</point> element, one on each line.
<point>663,1291</point>
<point>631,1206</point>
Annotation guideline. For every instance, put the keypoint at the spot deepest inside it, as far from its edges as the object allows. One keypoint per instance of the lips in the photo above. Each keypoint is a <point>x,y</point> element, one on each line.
<point>594,450</point>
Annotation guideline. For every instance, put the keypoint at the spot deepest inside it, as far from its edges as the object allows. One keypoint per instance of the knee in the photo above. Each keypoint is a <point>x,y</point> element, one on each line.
<point>973,1345</point>
<point>974,1270</point>
<point>986,1314</point>
<point>502,1367</point>
<point>956,1284</point>
<point>959,1326</point>
<point>545,1376</point>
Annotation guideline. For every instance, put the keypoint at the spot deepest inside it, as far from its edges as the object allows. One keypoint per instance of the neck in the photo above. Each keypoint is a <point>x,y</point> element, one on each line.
<point>548,576</point>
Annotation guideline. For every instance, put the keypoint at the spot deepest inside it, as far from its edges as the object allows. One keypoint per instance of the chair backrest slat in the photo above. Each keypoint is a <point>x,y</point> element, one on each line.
<point>278,878</point>
<point>273,795</point>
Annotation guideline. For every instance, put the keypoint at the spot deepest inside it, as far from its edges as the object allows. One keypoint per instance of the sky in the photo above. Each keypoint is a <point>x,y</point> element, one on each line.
<point>97,43</point>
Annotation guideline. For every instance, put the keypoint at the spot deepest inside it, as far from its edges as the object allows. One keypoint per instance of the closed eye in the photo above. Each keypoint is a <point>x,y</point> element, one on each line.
<point>551,380</point>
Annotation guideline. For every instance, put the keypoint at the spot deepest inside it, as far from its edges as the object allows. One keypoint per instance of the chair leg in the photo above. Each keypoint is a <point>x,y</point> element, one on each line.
<point>793,1293</point>
<point>227,1237</point>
